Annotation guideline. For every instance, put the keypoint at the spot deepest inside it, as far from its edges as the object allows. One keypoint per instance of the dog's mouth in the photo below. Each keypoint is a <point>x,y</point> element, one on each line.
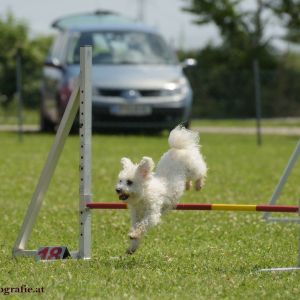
<point>123,197</point>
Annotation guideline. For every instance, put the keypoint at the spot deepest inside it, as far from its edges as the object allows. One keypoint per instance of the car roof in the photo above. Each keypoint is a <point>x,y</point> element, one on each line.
<point>99,21</point>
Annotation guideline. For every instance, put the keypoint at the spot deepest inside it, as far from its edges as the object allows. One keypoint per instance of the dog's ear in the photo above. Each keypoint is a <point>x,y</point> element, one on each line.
<point>125,162</point>
<point>145,167</point>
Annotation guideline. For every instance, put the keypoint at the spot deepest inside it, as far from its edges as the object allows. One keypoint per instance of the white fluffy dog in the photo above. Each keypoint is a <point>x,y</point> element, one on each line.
<point>149,194</point>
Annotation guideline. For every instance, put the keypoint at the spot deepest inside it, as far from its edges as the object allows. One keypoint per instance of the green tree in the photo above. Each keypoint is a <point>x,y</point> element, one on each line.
<point>288,14</point>
<point>246,29</point>
<point>14,38</point>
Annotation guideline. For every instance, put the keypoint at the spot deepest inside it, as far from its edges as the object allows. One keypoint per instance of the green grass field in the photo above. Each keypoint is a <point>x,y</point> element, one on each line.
<point>9,116</point>
<point>190,255</point>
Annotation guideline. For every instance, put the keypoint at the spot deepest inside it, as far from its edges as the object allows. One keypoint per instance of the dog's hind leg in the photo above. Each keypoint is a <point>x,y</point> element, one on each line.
<point>188,185</point>
<point>198,184</point>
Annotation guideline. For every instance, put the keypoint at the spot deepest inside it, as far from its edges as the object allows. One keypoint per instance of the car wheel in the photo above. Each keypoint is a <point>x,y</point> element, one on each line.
<point>46,125</point>
<point>187,124</point>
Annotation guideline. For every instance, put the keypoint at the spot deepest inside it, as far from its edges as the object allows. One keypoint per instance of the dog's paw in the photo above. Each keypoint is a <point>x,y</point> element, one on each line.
<point>130,251</point>
<point>134,244</point>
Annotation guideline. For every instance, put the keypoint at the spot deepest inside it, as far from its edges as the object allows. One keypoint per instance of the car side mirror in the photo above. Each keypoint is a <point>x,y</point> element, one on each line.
<point>189,62</point>
<point>53,62</point>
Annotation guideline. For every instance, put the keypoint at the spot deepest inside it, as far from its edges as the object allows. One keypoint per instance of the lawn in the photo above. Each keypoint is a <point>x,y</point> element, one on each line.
<point>190,255</point>
<point>9,116</point>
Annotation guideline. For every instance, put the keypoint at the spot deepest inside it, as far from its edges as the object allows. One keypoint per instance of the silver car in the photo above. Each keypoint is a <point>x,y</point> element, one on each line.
<point>137,79</point>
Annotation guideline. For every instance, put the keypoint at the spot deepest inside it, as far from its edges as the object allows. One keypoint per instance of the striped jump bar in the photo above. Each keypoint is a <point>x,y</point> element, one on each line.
<point>199,206</point>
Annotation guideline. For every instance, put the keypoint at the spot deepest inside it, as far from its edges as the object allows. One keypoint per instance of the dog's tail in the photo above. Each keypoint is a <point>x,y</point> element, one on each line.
<point>182,138</point>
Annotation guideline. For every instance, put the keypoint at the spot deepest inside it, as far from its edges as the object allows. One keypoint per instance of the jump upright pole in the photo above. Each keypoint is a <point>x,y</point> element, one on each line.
<point>204,206</point>
<point>85,136</point>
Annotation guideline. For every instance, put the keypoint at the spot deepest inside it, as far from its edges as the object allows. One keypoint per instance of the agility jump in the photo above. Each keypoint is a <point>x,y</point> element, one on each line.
<point>81,97</point>
<point>205,206</point>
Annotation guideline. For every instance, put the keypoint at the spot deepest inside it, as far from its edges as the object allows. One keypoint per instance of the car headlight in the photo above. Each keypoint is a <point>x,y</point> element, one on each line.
<point>176,87</point>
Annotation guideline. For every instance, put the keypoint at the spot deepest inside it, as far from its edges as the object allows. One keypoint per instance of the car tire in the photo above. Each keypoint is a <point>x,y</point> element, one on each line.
<point>187,124</point>
<point>46,125</point>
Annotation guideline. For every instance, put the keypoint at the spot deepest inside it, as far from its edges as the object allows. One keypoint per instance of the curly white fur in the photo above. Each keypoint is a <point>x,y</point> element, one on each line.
<point>149,194</point>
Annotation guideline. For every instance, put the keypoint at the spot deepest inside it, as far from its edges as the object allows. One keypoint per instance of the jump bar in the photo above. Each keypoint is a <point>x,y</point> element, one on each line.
<point>200,206</point>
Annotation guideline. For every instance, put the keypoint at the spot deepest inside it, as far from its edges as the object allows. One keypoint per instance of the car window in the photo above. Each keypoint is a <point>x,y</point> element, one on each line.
<point>58,47</point>
<point>121,47</point>
<point>73,56</point>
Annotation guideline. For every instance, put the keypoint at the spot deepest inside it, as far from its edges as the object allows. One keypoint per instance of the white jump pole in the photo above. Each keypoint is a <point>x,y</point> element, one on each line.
<point>85,132</point>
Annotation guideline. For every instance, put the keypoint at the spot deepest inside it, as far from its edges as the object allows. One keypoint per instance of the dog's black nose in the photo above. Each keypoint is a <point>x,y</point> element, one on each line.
<point>118,191</point>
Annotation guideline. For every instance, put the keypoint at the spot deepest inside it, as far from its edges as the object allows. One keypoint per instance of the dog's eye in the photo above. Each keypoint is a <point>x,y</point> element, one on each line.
<point>129,182</point>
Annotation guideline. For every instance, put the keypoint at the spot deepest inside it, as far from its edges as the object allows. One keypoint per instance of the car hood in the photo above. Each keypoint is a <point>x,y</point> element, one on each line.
<point>137,77</point>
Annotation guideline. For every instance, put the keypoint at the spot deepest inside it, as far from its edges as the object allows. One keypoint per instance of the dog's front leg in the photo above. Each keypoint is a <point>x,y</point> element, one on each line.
<point>134,242</point>
<point>144,225</point>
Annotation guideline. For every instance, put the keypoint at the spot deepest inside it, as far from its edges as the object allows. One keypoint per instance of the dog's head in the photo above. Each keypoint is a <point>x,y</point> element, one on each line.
<point>132,178</point>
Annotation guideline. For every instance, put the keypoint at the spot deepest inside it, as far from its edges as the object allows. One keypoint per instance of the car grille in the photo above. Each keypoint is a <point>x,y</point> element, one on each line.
<point>119,92</point>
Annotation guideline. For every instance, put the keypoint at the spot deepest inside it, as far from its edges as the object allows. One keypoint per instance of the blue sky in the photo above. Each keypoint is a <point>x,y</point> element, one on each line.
<point>166,15</point>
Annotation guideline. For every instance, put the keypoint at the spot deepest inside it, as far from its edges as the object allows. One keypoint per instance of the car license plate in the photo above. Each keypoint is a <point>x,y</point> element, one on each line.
<point>131,110</point>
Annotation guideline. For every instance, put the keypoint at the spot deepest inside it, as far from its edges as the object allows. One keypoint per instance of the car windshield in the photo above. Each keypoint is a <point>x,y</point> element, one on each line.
<point>122,48</point>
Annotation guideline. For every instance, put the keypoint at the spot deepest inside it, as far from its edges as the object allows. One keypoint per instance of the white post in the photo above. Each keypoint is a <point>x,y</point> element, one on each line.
<point>85,125</point>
